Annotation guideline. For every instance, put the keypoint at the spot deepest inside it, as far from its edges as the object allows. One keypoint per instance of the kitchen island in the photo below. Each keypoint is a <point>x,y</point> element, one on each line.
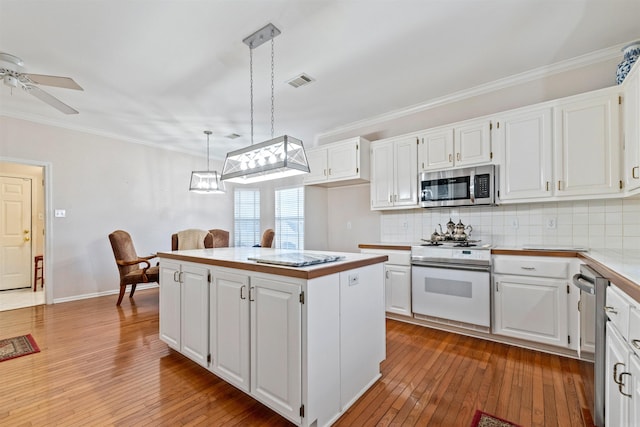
<point>307,341</point>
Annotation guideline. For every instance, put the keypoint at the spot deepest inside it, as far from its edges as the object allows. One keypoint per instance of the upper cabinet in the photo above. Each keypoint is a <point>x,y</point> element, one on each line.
<point>394,168</point>
<point>460,144</point>
<point>631,120</point>
<point>525,138</point>
<point>339,163</point>
<point>587,144</point>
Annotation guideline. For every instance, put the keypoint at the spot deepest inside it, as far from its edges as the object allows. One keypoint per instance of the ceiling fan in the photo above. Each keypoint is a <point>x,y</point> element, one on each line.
<point>11,75</point>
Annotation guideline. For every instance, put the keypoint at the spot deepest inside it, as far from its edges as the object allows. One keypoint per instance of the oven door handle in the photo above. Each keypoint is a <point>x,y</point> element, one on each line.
<point>450,266</point>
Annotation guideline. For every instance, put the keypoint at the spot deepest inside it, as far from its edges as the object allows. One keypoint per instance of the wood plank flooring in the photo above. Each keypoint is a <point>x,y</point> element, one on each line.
<point>102,365</point>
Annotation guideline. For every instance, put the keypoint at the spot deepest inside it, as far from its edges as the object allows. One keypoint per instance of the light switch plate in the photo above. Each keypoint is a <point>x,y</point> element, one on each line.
<point>60,213</point>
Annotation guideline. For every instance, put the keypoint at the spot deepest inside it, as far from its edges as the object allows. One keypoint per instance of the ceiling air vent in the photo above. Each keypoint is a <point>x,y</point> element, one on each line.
<point>300,80</point>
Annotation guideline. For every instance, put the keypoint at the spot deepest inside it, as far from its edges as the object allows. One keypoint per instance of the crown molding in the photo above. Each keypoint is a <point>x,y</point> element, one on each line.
<point>591,58</point>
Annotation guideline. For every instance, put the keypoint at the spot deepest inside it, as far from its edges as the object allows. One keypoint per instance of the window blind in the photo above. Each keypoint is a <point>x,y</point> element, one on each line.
<point>246,217</point>
<point>290,218</point>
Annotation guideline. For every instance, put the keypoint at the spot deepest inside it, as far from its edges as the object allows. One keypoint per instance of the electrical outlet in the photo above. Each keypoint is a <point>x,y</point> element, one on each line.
<point>551,223</point>
<point>60,213</point>
<point>514,223</point>
<point>348,225</point>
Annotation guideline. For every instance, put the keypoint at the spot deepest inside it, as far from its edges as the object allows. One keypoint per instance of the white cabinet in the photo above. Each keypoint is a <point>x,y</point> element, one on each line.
<point>587,144</point>
<point>526,141</point>
<point>339,163</point>
<point>532,296</point>
<point>394,170</point>
<point>229,317</point>
<point>256,338</point>
<point>397,280</point>
<point>184,302</point>
<point>631,120</point>
<point>617,360</point>
<point>460,144</point>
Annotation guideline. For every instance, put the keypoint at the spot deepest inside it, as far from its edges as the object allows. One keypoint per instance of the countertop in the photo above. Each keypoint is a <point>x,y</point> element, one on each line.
<point>621,267</point>
<point>238,258</point>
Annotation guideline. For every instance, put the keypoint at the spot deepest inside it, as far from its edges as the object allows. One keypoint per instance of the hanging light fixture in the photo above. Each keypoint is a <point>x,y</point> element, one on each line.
<point>276,158</point>
<point>206,182</point>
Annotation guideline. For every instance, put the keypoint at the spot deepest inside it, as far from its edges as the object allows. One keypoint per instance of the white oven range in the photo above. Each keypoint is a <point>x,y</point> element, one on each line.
<point>452,284</point>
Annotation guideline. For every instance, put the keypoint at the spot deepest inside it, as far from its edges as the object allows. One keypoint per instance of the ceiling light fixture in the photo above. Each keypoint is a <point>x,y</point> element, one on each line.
<point>206,182</point>
<point>276,158</point>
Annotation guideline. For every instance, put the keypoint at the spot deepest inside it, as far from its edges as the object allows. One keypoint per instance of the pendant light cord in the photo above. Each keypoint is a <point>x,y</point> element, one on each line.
<point>208,132</point>
<point>251,86</point>
<point>272,74</point>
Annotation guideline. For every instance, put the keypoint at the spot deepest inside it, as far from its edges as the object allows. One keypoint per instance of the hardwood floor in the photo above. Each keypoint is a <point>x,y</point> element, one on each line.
<point>104,365</point>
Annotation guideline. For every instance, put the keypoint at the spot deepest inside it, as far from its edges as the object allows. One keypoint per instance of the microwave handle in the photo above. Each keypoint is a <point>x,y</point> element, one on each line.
<point>472,187</point>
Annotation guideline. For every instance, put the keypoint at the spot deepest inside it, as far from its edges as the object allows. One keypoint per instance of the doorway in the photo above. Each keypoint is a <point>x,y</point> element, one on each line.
<point>22,235</point>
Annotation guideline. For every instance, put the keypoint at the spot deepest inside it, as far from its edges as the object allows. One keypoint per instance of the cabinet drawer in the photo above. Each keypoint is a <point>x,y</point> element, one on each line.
<point>527,266</point>
<point>395,257</point>
<point>617,308</point>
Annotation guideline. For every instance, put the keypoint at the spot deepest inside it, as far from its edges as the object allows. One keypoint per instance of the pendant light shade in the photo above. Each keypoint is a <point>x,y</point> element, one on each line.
<point>276,158</point>
<point>206,182</point>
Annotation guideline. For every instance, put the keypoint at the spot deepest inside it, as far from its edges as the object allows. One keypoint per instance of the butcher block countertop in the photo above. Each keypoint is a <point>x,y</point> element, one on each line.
<point>621,267</point>
<point>239,258</point>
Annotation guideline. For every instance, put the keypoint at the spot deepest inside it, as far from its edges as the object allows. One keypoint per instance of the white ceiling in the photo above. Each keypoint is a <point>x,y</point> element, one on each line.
<point>162,72</point>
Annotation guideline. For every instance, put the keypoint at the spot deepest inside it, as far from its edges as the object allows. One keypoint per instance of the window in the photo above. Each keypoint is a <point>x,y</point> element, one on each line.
<point>246,217</point>
<point>290,218</point>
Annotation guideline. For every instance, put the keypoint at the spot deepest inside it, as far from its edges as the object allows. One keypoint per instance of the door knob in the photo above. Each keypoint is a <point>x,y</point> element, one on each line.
<point>26,238</point>
<point>26,231</point>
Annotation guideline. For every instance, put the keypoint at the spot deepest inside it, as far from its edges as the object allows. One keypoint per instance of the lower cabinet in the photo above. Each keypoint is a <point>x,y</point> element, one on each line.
<point>184,295</point>
<point>532,309</point>
<point>616,391</point>
<point>397,280</point>
<point>534,300</point>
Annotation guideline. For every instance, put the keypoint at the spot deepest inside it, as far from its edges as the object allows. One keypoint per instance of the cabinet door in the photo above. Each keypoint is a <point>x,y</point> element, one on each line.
<point>382,174</point>
<point>276,346</point>
<point>436,149</point>
<point>317,159</point>
<point>617,358</point>
<point>472,143</point>
<point>406,173</point>
<point>398,289</point>
<point>587,141</point>
<point>532,309</point>
<point>169,304</point>
<point>634,390</point>
<point>526,141</point>
<point>343,160</point>
<point>587,322</point>
<point>230,328</point>
<point>631,108</point>
<point>195,313</point>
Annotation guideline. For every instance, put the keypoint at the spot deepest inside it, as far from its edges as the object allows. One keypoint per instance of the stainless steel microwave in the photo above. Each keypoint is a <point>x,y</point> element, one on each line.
<point>458,187</point>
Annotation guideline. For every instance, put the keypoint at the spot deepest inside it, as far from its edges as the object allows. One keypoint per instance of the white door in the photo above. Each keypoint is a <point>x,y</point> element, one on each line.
<point>230,328</point>
<point>276,346</point>
<point>587,141</point>
<point>398,289</point>
<point>436,149</point>
<point>587,322</point>
<point>406,172</point>
<point>15,233</point>
<point>616,404</point>
<point>472,143</point>
<point>532,309</point>
<point>169,301</point>
<point>195,313</point>
<point>526,141</point>
<point>317,160</point>
<point>342,160</point>
<point>382,179</point>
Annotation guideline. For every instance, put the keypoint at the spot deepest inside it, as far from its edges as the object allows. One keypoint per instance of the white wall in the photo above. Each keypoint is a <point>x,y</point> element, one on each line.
<point>106,184</point>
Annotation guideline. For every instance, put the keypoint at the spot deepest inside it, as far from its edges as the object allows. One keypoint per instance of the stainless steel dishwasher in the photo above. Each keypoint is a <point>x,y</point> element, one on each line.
<point>591,282</point>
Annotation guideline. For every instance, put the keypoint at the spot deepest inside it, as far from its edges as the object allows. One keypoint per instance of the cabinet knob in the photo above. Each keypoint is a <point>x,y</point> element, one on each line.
<point>559,186</point>
<point>242,288</point>
<point>617,378</point>
<point>633,172</point>
<point>457,156</point>
<point>450,158</point>
<point>251,298</point>
<point>610,309</point>
<point>621,384</point>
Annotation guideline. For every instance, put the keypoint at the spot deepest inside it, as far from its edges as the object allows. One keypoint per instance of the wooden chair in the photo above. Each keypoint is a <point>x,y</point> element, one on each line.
<point>267,238</point>
<point>216,238</point>
<point>128,263</point>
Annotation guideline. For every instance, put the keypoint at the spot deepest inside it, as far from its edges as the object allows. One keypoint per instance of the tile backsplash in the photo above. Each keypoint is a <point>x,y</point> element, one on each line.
<point>602,224</point>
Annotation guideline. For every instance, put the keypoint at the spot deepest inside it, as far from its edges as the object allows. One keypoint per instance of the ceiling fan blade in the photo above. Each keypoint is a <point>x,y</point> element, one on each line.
<point>57,81</point>
<point>49,99</point>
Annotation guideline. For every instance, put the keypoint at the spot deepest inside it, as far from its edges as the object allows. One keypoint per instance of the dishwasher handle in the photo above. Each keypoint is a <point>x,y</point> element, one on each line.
<point>584,284</point>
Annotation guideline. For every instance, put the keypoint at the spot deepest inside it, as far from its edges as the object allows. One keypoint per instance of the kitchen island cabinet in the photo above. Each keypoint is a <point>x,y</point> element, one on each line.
<point>305,341</point>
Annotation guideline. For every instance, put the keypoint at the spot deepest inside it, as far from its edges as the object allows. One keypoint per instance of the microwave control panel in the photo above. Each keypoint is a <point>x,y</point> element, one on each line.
<point>482,186</point>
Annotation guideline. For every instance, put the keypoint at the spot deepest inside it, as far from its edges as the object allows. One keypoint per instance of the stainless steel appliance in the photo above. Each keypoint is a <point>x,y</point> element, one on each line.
<point>450,283</point>
<point>458,187</point>
<point>591,282</point>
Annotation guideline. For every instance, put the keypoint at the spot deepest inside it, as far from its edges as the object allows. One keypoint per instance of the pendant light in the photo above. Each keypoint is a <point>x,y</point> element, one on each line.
<point>276,158</point>
<point>206,182</point>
